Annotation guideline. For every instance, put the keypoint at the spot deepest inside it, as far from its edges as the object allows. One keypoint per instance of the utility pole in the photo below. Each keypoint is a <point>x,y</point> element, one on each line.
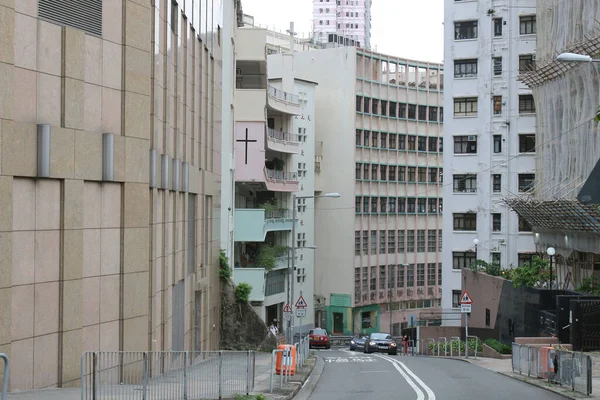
<point>292,39</point>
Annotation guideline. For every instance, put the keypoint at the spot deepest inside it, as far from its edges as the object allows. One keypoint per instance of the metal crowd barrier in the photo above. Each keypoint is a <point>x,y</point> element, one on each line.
<point>442,343</point>
<point>567,368</point>
<point>286,367</point>
<point>162,375</point>
<point>6,374</point>
<point>302,351</point>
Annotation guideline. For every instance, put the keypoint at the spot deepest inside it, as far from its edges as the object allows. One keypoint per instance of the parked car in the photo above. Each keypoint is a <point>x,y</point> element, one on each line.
<point>381,342</point>
<point>357,342</point>
<point>318,337</point>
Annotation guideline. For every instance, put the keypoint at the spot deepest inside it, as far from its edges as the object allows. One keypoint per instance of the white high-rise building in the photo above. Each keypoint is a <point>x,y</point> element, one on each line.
<point>490,138</point>
<point>348,18</point>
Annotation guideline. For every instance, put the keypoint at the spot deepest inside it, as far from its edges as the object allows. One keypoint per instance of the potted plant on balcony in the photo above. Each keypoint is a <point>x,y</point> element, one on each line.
<point>271,208</point>
<point>277,164</point>
<point>267,256</point>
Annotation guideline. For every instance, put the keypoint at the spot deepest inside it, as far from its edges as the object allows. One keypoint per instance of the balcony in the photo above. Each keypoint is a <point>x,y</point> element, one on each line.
<point>283,142</point>
<point>254,277</point>
<point>281,181</point>
<point>283,101</point>
<point>252,224</point>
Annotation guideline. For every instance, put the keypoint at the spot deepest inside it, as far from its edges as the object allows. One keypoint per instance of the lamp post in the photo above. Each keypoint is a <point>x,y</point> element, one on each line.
<point>577,58</point>
<point>551,251</point>
<point>293,266</point>
<point>475,242</point>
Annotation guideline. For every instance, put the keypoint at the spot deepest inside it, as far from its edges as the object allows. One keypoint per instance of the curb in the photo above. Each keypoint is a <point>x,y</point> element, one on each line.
<point>302,382</point>
<point>551,388</point>
<point>312,380</point>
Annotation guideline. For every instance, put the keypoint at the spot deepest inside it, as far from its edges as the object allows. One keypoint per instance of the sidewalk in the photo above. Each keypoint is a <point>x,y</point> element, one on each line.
<point>504,367</point>
<point>288,390</point>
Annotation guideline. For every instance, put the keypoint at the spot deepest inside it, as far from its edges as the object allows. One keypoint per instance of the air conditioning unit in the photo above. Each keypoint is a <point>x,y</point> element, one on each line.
<point>472,138</point>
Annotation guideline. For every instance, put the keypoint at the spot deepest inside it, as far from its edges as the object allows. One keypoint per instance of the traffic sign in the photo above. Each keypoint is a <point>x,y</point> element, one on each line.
<point>287,308</point>
<point>412,320</point>
<point>301,303</point>
<point>300,312</point>
<point>465,298</point>
<point>465,308</point>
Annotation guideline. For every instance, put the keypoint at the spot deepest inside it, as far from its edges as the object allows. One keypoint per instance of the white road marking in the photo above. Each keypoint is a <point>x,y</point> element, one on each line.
<point>398,364</point>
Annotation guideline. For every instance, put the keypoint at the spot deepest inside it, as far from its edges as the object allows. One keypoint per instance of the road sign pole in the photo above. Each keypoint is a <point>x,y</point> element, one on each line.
<point>466,335</point>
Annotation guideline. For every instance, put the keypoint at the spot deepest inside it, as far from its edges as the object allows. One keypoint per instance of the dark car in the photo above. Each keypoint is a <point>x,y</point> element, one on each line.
<point>318,337</point>
<point>381,342</point>
<point>357,342</point>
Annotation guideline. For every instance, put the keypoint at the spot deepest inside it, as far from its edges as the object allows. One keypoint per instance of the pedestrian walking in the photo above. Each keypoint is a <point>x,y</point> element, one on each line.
<point>405,344</point>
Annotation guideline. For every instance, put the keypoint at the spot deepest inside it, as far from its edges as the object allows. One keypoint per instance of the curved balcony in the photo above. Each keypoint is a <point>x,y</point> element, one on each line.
<point>283,101</point>
<point>283,142</point>
<point>281,181</point>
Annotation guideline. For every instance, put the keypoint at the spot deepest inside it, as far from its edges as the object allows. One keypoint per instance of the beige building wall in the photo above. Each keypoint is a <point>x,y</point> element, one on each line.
<point>89,260</point>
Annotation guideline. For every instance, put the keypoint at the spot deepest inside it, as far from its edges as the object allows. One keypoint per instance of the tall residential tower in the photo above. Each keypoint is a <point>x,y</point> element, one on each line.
<point>348,18</point>
<point>490,136</point>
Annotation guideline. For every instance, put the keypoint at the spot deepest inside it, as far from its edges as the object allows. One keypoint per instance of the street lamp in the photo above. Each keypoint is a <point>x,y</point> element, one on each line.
<point>551,251</point>
<point>475,242</point>
<point>293,266</point>
<point>572,57</point>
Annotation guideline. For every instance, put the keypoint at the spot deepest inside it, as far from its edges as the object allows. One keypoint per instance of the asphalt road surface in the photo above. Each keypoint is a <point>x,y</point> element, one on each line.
<point>354,375</point>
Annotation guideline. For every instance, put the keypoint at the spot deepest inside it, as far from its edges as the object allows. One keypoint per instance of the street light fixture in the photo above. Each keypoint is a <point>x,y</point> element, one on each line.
<point>293,266</point>
<point>551,252</point>
<point>572,57</point>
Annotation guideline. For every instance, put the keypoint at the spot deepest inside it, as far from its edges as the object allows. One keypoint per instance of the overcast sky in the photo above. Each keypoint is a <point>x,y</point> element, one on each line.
<point>404,28</point>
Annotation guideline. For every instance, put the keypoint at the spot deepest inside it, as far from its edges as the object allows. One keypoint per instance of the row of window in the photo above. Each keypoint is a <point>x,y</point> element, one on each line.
<point>468,144</point>
<point>467,222</point>
<point>464,259</point>
<point>468,106</point>
<point>395,141</point>
<point>467,183</point>
<point>394,109</point>
<point>397,276</point>
<point>399,173</point>
<point>468,68</point>
<point>392,241</point>
<point>399,205</point>
<point>339,25</point>
<point>465,30</point>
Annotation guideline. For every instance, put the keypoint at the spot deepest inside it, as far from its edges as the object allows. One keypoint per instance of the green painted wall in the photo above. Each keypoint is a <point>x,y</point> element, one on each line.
<point>352,318</point>
<point>347,315</point>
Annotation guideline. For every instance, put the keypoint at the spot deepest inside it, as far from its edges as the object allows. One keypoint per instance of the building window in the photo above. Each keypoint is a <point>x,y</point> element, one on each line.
<point>422,113</point>
<point>382,242</point>
<point>527,143</point>
<point>422,174</point>
<point>383,107</point>
<point>432,202</point>
<point>465,30</point>
<point>524,225</point>
<point>374,205</point>
<point>401,142</point>
<point>358,137</point>
<point>465,183</point>
<point>412,174</point>
<point>357,204</point>
<point>497,143</point>
<point>412,111</point>
<point>365,243</point>
<point>525,258</point>
<point>400,278</point>
<point>392,172</point>
<point>382,172</point>
<point>410,275</point>
<point>456,298</point>
<point>401,205</point>
<point>420,241</point>
<point>374,139</point>
<point>357,243</point>
<point>365,205</point>
<point>439,274</point>
<point>440,240</point>
<point>390,276</point>
<point>391,249</point>
<point>527,25</point>
<point>420,274</point>
<point>87,18</point>
<point>465,144</point>
<point>487,317</point>
<point>393,141</point>
<point>422,143</point>
<point>383,140</point>
<point>382,277</point>
<point>359,167</point>
<point>410,241</point>
<point>526,104</point>
<point>497,105</point>
<point>372,279</point>
<point>391,202</point>
<point>431,274</point>
<point>497,27</point>
<point>366,105</point>
<point>465,68</point>
<point>366,136</point>
<point>382,204</point>
<point>526,63</point>
<point>401,174</point>
<point>373,242</point>
<point>374,172</point>
<point>375,108</point>
<point>464,221</point>
<point>393,109</point>
<point>496,183</point>
<point>431,241</point>
<point>496,258</point>
<point>463,259</point>
<point>526,182</point>
<point>433,174</point>
<point>465,107</point>
<point>401,244</point>
<point>401,110</point>
<point>497,66</point>
<point>421,207</point>
<point>412,142</point>
<point>496,222</point>
<point>433,114</point>
<point>358,104</point>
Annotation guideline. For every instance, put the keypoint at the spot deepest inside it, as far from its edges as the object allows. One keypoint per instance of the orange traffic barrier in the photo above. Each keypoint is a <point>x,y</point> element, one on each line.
<point>288,362</point>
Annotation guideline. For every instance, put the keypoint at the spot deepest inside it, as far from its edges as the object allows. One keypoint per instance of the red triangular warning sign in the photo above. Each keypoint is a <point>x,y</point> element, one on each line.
<point>287,308</point>
<point>466,298</point>
<point>301,303</point>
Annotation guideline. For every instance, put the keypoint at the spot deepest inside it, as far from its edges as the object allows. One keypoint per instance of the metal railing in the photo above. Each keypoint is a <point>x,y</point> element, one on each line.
<point>176,374</point>
<point>286,366</point>
<point>567,368</point>
<point>284,96</point>
<point>6,375</point>
<point>281,213</point>
<point>283,137</point>
<point>302,351</point>
<point>281,176</point>
<point>441,344</point>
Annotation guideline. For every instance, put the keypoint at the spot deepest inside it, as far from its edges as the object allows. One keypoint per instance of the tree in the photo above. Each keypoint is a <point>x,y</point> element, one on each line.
<point>532,274</point>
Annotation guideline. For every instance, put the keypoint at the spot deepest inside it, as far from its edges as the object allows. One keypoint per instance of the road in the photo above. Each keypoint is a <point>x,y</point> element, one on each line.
<point>354,375</point>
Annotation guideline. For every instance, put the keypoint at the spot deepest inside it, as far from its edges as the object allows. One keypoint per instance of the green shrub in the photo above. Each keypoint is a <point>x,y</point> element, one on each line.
<point>454,344</point>
<point>259,396</point>
<point>242,292</point>
<point>498,346</point>
<point>225,269</point>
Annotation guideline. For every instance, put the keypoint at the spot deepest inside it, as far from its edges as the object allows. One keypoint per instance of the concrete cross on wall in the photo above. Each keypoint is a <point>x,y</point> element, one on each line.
<point>246,141</point>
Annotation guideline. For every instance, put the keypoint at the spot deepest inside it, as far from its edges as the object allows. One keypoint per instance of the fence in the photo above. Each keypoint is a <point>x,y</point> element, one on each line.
<point>567,368</point>
<point>302,353</point>
<point>166,375</point>
<point>5,375</point>
<point>444,347</point>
